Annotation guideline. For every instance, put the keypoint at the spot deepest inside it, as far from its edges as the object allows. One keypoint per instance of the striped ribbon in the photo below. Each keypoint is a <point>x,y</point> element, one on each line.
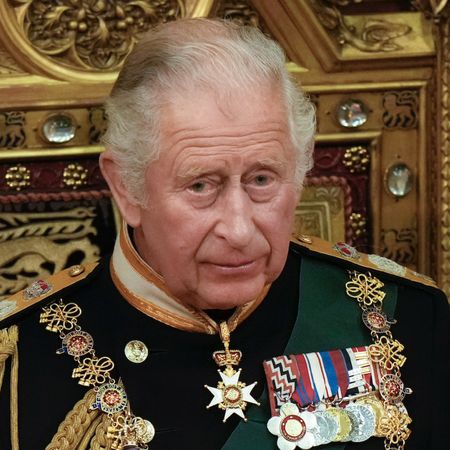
<point>309,378</point>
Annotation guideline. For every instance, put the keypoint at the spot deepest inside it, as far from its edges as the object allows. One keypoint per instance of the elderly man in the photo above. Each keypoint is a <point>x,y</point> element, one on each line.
<point>208,328</point>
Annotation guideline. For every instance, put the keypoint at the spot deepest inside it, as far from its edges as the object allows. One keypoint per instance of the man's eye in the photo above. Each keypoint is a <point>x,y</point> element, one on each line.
<point>261,180</point>
<point>198,186</point>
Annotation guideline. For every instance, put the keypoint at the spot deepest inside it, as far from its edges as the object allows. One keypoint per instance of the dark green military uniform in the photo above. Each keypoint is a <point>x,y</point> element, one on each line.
<point>305,310</point>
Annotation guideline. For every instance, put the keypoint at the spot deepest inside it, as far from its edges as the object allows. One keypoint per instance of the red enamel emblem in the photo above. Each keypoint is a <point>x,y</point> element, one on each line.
<point>293,428</point>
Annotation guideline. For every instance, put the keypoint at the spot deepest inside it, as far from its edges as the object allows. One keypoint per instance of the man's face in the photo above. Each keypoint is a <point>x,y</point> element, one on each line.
<point>221,198</point>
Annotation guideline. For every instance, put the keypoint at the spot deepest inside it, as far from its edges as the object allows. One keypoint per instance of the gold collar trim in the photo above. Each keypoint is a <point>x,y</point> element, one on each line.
<point>145,289</point>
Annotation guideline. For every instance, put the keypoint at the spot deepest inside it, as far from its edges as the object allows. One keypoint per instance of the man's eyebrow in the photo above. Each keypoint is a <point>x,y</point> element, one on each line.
<point>270,163</point>
<point>194,172</point>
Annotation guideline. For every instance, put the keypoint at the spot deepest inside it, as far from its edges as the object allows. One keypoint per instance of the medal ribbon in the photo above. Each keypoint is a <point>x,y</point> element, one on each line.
<point>310,378</point>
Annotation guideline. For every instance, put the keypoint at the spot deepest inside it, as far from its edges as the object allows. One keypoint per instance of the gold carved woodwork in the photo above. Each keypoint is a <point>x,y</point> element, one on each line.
<point>12,129</point>
<point>79,38</point>
<point>324,209</point>
<point>378,55</point>
<point>35,245</point>
<point>98,124</point>
<point>399,245</point>
<point>8,65</point>
<point>400,109</point>
<point>240,11</point>
<point>438,13</point>
<point>373,35</point>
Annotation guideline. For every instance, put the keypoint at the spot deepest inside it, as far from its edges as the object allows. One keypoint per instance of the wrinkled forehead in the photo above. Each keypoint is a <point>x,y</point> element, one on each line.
<point>212,107</point>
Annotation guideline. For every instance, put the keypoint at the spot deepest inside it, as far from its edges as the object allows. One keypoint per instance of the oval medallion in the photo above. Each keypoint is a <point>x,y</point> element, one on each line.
<point>232,396</point>
<point>78,343</point>
<point>392,388</point>
<point>293,428</point>
<point>376,320</point>
<point>111,398</point>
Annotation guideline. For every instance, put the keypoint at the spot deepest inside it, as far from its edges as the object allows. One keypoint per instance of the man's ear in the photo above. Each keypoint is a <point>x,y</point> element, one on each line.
<point>128,205</point>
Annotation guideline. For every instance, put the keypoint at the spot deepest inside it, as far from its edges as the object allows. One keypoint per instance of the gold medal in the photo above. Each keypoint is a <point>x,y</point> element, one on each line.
<point>378,409</point>
<point>345,424</point>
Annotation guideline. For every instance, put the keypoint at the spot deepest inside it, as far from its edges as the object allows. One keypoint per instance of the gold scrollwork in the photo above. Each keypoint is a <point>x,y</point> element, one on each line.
<point>18,177</point>
<point>375,35</point>
<point>12,131</point>
<point>400,109</point>
<point>60,317</point>
<point>367,290</point>
<point>75,175</point>
<point>358,224</point>
<point>8,65</point>
<point>93,371</point>
<point>387,352</point>
<point>356,159</point>
<point>36,245</point>
<point>240,11</point>
<point>90,35</point>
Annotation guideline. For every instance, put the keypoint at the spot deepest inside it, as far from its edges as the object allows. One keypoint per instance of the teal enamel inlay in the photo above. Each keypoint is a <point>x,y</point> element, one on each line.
<point>327,319</point>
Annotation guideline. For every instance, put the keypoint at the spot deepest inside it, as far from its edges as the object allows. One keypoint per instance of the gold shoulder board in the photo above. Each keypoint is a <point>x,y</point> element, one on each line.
<point>41,289</point>
<point>345,252</point>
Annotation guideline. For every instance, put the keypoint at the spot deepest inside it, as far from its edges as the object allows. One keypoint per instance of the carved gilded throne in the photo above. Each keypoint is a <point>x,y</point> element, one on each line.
<point>377,70</point>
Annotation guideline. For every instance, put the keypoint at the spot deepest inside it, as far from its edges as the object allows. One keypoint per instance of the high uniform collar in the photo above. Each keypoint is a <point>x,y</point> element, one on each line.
<point>146,290</point>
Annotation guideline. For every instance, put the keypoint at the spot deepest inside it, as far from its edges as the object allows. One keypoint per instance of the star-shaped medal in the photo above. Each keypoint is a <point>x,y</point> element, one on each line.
<point>231,394</point>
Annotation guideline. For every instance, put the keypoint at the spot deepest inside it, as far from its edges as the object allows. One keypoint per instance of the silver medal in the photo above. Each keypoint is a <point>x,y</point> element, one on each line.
<point>327,428</point>
<point>363,422</point>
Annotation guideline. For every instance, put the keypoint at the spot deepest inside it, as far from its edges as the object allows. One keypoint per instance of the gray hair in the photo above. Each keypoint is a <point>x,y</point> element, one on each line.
<point>179,56</point>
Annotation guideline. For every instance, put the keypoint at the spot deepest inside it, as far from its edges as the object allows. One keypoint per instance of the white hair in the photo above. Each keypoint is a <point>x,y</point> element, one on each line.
<point>189,54</point>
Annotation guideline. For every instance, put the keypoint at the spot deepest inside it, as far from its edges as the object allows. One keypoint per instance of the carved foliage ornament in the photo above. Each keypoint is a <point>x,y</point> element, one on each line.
<point>375,35</point>
<point>34,244</point>
<point>91,34</point>
<point>239,11</point>
<point>435,8</point>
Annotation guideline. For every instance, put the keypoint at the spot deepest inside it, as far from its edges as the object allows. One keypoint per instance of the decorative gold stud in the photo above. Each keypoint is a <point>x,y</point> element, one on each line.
<point>136,351</point>
<point>303,238</point>
<point>74,271</point>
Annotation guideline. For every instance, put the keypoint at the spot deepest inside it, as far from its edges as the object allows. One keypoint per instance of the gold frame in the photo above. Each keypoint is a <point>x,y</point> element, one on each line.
<point>327,69</point>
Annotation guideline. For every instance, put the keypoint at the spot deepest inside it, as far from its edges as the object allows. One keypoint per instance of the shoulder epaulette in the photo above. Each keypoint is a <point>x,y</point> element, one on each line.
<point>39,290</point>
<point>346,252</point>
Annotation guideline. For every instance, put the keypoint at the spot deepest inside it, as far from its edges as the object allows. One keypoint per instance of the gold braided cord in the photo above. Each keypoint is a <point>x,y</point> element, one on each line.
<point>100,441</point>
<point>90,432</point>
<point>8,348</point>
<point>76,424</point>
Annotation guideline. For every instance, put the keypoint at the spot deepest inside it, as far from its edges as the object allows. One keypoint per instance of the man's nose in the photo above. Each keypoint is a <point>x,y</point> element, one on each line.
<point>236,214</point>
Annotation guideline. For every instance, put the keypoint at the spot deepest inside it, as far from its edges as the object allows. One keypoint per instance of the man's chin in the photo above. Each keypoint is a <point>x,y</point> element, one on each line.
<point>225,299</point>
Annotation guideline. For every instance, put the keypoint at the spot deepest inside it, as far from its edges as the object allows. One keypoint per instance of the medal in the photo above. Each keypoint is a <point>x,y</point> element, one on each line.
<point>231,395</point>
<point>344,423</point>
<point>293,428</point>
<point>377,407</point>
<point>126,431</point>
<point>392,388</point>
<point>327,428</point>
<point>363,422</point>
